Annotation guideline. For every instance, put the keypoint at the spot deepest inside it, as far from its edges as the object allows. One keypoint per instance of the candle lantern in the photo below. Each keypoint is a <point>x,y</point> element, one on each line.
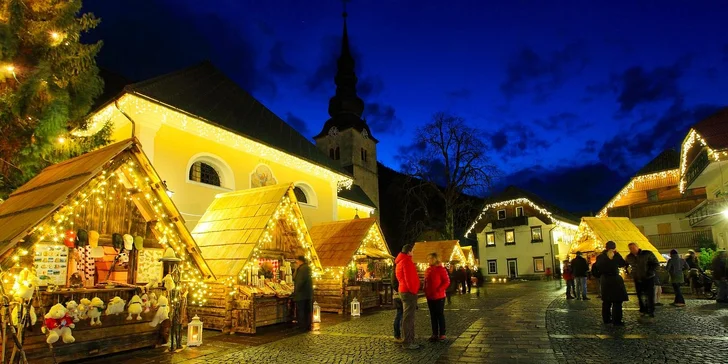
<point>355,308</point>
<point>194,332</point>
<point>316,312</point>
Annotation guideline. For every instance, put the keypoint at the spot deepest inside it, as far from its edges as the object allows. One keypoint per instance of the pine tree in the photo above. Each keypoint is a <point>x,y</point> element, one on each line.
<point>48,83</point>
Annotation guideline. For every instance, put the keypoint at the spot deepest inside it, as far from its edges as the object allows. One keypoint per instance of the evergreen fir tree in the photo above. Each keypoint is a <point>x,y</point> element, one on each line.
<point>48,83</point>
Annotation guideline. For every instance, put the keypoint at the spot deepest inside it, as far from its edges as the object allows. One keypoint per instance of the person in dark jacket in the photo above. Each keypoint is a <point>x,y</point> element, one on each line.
<point>461,275</point>
<point>303,293</point>
<point>397,301</point>
<point>478,279</point>
<point>720,276</point>
<point>606,269</point>
<point>643,264</point>
<point>580,269</point>
<point>694,274</point>
<point>468,278</point>
<point>675,268</point>
<point>452,288</point>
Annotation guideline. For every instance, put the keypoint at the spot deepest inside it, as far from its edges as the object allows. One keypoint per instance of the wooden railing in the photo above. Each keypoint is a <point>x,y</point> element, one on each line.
<point>687,240</point>
<point>697,166</point>
<point>677,206</point>
<point>510,222</point>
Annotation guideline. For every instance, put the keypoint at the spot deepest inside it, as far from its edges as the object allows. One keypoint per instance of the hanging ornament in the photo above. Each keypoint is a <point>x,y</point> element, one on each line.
<point>70,240</point>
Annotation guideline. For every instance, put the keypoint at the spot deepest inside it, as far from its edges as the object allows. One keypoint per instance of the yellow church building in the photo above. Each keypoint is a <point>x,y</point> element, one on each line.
<point>205,136</point>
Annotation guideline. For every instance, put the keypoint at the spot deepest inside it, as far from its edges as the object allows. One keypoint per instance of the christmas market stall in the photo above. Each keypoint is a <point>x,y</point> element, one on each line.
<point>470,257</point>
<point>449,251</point>
<point>356,259</point>
<point>595,232</point>
<point>83,247</point>
<point>250,239</point>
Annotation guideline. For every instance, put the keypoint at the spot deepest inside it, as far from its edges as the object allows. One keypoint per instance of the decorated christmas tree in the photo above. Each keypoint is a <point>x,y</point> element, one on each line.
<point>48,83</point>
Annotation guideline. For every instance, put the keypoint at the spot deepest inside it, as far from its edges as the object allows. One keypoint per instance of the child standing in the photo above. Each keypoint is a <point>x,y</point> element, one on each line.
<point>569,278</point>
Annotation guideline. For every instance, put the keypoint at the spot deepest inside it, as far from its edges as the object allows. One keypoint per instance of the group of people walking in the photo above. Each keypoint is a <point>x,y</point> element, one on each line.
<point>440,284</point>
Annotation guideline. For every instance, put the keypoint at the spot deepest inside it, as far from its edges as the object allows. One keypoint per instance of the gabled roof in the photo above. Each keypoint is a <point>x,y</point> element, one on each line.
<point>208,94</point>
<point>356,194</point>
<point>714,129</point>
<point>53,187</point>
<point>669,159</point>
<point>235,225</point>
<point>512,193</point>
<point>336,242</point>
<point>595,232</point>
<point>443,248</point>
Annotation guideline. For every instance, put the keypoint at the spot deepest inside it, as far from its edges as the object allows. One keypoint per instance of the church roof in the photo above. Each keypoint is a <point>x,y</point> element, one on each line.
<point>665,161</point>
<point>207,93</point>
<point>356,194</point>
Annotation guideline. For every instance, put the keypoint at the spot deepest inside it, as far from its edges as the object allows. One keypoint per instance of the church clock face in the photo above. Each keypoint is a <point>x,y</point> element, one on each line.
<point>365,134</point>
<point>333,132</point>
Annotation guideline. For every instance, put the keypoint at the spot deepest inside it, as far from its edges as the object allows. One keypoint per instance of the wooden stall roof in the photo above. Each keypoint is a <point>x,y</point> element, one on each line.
<point>233,224</point>
<point>40,197</point>
<point>443,248</point>
<point>336,242</point>
<point>617,229</point>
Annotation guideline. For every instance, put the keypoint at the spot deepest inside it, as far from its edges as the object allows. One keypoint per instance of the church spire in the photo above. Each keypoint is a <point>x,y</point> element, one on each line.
<point>345,100</point>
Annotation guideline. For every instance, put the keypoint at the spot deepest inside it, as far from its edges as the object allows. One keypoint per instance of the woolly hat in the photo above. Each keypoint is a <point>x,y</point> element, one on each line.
<point>128,242</point>
<point>117,241</point>
<point>81,238</point>
<point>93,238</point>
<point>610,245</point>
<point>139,243</point>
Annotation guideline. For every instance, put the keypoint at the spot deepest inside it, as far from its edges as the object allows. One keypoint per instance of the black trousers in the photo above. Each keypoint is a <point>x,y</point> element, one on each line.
<point>437,316</point>
<point>304,314</point>
<point>646,288</point>
<point>611,312</point>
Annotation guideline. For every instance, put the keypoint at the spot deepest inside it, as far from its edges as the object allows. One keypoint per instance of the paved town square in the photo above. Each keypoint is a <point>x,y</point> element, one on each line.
<point>520,322</point>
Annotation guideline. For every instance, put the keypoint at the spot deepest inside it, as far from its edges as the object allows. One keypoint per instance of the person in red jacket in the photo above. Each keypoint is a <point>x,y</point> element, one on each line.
<point>569,278</point>
<point>409,286</point>
<point>436,282</point>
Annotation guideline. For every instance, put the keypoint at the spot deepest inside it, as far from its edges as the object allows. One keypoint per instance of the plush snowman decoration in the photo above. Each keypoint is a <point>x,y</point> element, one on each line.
<point>135,307</point>
<point>23,291</point>
<point>153,300</point>
<point>96,307</point>
<point>162,312</point>
<point>168,282</point>
<point>58,324</point>
<point>72,308</point>
<point>116,306</point>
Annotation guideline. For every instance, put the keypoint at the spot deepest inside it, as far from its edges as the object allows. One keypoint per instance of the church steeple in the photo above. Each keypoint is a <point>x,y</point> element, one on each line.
<point>345,100</point>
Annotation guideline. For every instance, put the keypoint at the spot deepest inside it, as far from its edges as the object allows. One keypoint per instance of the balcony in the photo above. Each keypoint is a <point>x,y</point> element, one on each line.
<point>708,213</point>
<point>697,166</point>
<point>510,222</point>
<point>657,208</point>
<point>687,240</point>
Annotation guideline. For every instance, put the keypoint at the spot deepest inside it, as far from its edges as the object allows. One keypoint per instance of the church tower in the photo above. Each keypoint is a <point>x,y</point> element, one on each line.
<point>346,137</point>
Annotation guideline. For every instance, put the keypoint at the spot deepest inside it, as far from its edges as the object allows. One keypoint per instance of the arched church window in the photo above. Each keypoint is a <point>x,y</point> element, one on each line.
<point>363,155</point>
<point>331,153</point>
<point>300,195</point>
<point>204,173</point>
<point>337,154</point>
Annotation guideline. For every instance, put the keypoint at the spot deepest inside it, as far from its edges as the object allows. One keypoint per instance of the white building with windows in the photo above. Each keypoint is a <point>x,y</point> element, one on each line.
<point>522,236</point>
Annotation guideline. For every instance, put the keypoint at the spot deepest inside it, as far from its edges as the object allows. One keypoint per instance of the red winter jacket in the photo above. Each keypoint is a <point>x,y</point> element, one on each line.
<point>436,282</point>
<point>568,274</point>
<point>409,281</point>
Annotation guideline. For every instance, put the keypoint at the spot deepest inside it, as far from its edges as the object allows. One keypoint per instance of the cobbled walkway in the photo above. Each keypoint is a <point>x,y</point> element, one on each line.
<point>697,333</point>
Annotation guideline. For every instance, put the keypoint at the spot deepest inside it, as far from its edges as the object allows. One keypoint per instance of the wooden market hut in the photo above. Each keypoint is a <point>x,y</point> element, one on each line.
<point>470,257</point>
<point>355,258</point>
<point>594,232</point>
<point>449,251</point>
<point>241,234</point>
<point>113,190</point>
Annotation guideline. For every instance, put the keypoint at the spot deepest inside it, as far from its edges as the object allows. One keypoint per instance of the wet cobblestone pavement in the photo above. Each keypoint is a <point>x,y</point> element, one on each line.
<point>526,322</point>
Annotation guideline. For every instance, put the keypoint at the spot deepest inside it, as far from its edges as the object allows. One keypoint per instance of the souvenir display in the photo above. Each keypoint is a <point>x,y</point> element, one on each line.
<point>149,268</point>
<point>51,264</point>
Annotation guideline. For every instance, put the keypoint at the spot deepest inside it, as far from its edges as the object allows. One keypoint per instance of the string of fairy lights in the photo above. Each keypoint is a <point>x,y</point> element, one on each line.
<point>129,175</point>
<point>693,138</point>
<point>521,201</point>
<point>664,175</point>
<point>180,120</point>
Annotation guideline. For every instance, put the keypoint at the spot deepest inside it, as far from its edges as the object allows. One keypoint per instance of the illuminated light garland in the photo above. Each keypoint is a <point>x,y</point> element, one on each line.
<point>521,201</point>
<point>692,138</point>
<point>95,193</point>
<point>190,124</point>
<point>673,173</point>
<point>353,205</point>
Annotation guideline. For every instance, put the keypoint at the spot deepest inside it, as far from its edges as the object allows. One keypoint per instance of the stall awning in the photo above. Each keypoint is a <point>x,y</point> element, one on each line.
<point>447,250</point>
<point>336,242</point>
<point>594,232</point>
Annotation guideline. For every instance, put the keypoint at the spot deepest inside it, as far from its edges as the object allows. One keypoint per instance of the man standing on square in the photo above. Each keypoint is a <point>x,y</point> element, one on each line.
<point>580,269</point>
<point>643,264</point>
<point>409,286</point>
<point>303,293</point>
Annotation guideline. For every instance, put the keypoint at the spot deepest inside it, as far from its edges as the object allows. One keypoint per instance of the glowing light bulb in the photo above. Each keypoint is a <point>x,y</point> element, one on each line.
<point>55,36</point>
<point>10,68</point>
<point>61,140</point>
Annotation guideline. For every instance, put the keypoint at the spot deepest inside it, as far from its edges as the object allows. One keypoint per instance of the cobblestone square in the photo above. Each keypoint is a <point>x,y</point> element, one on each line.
<point>520,322</point>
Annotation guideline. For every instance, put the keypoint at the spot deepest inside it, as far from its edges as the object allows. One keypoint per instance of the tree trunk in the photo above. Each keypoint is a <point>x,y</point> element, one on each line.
<point>449,222</point>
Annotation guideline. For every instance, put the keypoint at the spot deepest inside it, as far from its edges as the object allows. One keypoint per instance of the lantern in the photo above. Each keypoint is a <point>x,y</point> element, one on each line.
<point>316,312</point>
<point>194,332</point>
<point>355,308</point>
